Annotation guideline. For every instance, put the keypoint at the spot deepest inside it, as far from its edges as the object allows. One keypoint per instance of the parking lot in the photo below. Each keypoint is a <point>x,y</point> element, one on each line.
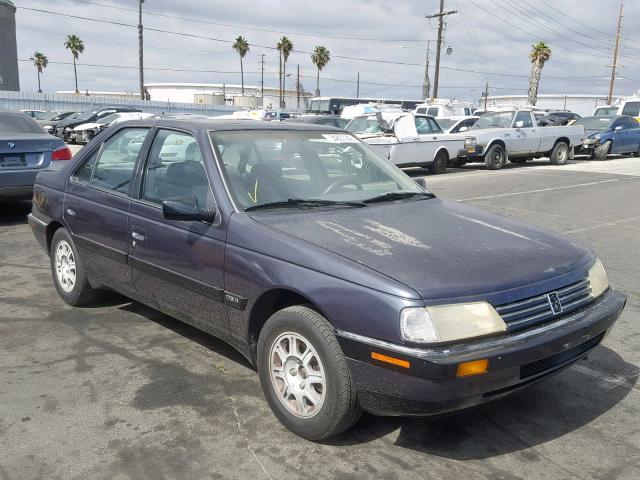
<point>121,391</point>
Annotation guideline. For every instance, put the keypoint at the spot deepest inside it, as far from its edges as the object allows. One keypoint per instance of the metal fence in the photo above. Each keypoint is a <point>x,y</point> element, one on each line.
<point>79,103</point>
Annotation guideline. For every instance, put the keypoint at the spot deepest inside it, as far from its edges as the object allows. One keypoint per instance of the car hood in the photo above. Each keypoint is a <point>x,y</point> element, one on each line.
<point>591,132</point>
<point>88,126</point>
<point>440,249</point>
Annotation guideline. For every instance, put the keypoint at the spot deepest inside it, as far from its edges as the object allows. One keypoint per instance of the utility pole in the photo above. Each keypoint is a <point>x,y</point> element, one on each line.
<point>486,94</point>
<point>298,88</point>
<point>615,57</point>
<point>426,84</point>
<point>358,86</point>
<point>262,78</point>
<point>140,51</point>
<point>440,16</point>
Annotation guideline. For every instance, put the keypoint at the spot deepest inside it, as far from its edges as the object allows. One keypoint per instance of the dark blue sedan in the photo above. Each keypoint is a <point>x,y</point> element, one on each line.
<point>605,135</point>
<point>342,280</point>
<point>25,150</point>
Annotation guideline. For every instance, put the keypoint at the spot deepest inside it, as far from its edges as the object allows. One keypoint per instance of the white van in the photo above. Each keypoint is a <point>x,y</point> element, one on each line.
<point>445,108</point>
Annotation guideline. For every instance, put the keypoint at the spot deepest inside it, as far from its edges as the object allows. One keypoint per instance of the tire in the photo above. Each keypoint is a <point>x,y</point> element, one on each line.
<point>336,408</point>
<point>637,152</point>
<point>495,157</point>
<point>518,160</point>
<point>439,164</point>
<point>66,266</point>
<point>600,153</point>
<point>559,154</point>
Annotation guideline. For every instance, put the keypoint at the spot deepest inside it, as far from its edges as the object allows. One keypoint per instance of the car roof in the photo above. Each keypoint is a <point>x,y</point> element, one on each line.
<point>212,124</point>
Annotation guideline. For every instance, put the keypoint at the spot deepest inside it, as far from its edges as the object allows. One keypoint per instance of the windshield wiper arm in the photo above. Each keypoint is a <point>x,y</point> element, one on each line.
<point>390,196</point>
<point>304,202</point>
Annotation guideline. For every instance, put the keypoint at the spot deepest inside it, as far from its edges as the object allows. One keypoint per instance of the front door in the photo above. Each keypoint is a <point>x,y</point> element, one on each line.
<point>178,265</point>
<point>528,138</point>
<point>97,203</point>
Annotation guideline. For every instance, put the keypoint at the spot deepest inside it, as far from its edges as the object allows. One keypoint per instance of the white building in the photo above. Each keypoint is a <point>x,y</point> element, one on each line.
<point>223,94</point>
<point>579,103</point>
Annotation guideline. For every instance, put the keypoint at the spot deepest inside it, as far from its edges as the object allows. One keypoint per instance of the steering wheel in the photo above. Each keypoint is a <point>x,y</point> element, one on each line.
<point>342,182</point>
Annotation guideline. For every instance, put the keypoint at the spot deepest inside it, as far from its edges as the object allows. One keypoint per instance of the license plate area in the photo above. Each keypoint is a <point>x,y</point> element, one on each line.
<point>12,160</point>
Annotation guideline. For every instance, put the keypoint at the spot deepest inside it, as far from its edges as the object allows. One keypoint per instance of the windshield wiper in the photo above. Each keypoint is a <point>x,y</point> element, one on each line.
<point>304,202</point>
<point>390,196</point>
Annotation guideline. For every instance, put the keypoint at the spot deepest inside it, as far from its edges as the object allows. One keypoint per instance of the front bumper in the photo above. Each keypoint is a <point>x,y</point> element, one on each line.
<point>430,385</point>
<point>472,151</point>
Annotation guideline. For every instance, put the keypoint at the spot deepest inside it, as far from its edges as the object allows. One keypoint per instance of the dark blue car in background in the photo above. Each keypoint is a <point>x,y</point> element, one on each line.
<point>343,281</point>
<point>605,135</point>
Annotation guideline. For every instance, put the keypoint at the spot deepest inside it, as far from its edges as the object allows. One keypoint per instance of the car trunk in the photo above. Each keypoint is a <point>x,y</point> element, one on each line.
<point>31,151</point>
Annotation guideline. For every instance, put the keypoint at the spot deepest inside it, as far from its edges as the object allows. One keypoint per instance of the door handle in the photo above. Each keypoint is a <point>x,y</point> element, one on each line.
<point>71,212</point>
<point>435,138</point>
<point>138,236</point>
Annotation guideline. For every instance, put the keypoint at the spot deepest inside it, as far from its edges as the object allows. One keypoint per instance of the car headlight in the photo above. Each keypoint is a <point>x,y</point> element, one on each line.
<point>470,141</point>
<point>446,323</point>
<point>598,279</point>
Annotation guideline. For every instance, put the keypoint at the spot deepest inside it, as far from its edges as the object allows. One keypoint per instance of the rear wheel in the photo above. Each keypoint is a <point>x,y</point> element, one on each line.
<point>439,164</point>
<point>68,272</point>
<point>637,153</point>
<point>559,154</point>
<point>304,374</point>
<point>495,157</point>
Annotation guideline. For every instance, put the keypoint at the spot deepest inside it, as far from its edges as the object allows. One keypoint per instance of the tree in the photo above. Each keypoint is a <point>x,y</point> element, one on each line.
<point>76,47</point>
<point>320,58</point>
<point>540,54</point>
<point>40,61</point>
<point>285,47</point>
<point>242,47</point>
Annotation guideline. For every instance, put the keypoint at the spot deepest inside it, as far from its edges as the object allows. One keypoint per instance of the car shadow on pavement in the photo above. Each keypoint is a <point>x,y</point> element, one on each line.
<point>14,212</point>
<point>538,414</point>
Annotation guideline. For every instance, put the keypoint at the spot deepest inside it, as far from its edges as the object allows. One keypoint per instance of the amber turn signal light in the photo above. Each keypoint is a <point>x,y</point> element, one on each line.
<point>477,367</point>
<point>391,360</point>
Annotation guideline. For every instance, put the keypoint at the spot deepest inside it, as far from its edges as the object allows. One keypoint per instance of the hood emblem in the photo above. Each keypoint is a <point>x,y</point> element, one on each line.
<point>12,145</point>
<point>555,303</point>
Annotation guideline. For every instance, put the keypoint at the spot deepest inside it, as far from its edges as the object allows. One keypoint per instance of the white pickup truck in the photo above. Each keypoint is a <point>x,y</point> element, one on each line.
<point>408,140</point>
<point>514,135</point>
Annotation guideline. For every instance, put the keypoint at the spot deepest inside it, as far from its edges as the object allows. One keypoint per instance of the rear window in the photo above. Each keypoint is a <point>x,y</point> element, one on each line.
<point>18,123</point>
<point>632,109</point>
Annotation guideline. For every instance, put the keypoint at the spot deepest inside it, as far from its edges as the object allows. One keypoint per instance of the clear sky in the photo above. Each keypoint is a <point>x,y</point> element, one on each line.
<point>489,40</point>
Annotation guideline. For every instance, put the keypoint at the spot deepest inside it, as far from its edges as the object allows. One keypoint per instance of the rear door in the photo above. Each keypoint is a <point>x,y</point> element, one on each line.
<point>178,265</point>
<point>96,206</point>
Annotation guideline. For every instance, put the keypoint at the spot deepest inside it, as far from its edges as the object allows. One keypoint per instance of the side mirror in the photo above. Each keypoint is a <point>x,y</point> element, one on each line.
<point>619,127</point>
<point>186,209</point>
<point>519,124</point>
<point>421,181</point>
<point>463,129</point>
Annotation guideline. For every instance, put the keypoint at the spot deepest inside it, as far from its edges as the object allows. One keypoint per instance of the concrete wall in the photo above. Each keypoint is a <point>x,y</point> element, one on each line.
<point>9,79</point>
<point>581,104</point>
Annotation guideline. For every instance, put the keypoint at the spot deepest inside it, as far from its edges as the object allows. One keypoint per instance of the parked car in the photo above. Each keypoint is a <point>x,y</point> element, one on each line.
<point>610,135</point>
<point>444,108</point>
<point>569,116</point>
<point>456,124</point>
<point>605,111</point>
<point>65,128</point>
<point>408,140</point>
<point>329,269</point>
<point>84,132</point>
<point>49,124</point>
<point>25,150</point>
<point>515,135</point>
<point>331,120</point>
<point>33,113</point>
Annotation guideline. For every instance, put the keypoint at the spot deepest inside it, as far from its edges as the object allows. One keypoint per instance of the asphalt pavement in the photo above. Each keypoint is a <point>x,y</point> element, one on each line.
<point>120,391</point>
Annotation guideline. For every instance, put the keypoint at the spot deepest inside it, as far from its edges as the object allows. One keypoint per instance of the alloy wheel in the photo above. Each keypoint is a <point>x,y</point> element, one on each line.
<point>65,263</point>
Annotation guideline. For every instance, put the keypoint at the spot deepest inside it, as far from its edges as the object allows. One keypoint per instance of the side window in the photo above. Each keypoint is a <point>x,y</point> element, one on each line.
<point>112,166</point>
<point>175,169</point>
<point>523,120</point>
<point>632,109</point>
<point>435,128</point>
<point>422,125</point>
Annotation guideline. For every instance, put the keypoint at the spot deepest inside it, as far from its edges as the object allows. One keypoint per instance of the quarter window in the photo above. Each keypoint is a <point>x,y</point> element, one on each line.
<point>112,166</point>
<point>175,169</point>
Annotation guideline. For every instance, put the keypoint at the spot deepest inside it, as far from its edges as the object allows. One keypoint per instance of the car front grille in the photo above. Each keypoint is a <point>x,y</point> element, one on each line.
<point>559,360</point>
<point>535,310</point>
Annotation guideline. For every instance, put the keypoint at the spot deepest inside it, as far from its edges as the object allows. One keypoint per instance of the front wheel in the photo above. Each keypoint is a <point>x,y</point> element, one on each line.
<point>439,164</point>
<point>559,154</point>
<point>495,157</point>
<point>304,374</point>
<point>68,272</point>
<point>601,152</point>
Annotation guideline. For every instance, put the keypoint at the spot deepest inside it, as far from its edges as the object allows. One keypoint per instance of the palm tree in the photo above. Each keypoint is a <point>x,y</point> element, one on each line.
<point>242,47</point>
<point>540,54</point>
<point>285,47</point>
<point>40,61</point>
<point>76,46</point>
<point>320,58</point>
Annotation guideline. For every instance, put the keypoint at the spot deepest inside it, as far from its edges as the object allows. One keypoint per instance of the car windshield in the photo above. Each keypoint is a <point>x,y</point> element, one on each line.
<point>46,115</point>
<point>605,111</point>
<point>446,123</point>
<point>596,123</point>
<point>365,125</point>
<point>110,118</point>
<point>84,115</point>
<point>18,123</point>
<point>269,166</point>
<point>494,120</point>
